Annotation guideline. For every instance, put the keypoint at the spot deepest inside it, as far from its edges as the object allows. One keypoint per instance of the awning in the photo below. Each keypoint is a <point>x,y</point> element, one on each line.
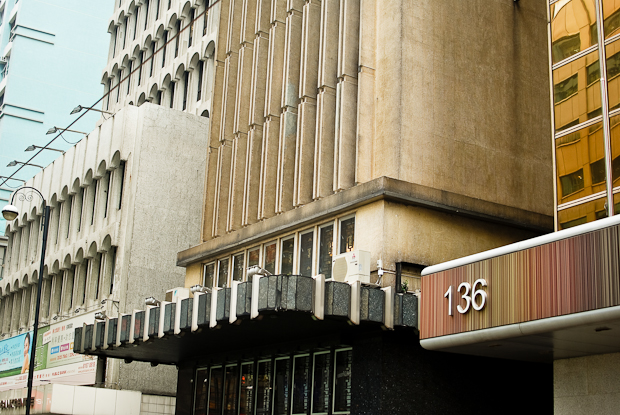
<point>268,310</point>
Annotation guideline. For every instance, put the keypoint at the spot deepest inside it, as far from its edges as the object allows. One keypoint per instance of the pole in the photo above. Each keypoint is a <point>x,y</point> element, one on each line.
<point>35,331</point>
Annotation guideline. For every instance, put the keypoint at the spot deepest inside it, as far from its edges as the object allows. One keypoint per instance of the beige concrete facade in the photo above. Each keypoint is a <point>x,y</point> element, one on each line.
<point>587,385</point>
<point>112,196</point>
<point>440,108</point>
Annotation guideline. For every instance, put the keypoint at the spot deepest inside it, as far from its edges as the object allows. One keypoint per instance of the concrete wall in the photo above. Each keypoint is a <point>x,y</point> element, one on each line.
<point>587,385</point>
<point>153,210</point>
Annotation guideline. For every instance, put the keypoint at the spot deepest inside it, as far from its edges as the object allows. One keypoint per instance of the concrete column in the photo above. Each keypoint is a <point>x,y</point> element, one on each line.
<point>7,304</point>
<point>346,93</point>
<point>67,290</point>
<point>242,112</point>
<point>24,315</point>
<point>256,114</point>
<point>15,251</point>
<point>46,299</point>
<point>80,283</point>
<point>33,300</point>
<point>306,123</point>
<point>17,306</point>
<point>56,295</point>
<point>35,243</point>
<point>366,93</point>
<point>107,269</point>
<point>326,100</point>
<point>273,99</point>
<point>290,97</point>
<point>23,250</point>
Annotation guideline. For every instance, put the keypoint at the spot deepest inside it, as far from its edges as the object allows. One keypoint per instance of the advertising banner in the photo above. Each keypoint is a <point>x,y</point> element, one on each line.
<point>55,361</point>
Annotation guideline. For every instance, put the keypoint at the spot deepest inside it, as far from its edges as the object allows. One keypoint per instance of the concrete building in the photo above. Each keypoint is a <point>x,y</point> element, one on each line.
<point>51,53</point>
<point>404,133</point>
<point>111,196</point>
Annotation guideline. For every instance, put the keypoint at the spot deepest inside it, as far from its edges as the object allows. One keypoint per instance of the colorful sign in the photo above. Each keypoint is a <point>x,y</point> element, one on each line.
<point>55,361</point>
<point>562,277</point>
<point>15,355</point>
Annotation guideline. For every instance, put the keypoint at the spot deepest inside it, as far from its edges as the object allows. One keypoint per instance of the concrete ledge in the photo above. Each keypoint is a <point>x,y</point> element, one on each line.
<point>383,188</point>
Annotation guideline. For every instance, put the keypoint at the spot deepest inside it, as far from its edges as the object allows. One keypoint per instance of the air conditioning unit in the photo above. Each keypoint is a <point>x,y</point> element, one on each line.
<point>178,293</point>
<point>351,266</point>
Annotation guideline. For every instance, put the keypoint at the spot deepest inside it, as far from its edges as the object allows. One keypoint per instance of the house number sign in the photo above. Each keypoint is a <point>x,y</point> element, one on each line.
<point>477,299</point>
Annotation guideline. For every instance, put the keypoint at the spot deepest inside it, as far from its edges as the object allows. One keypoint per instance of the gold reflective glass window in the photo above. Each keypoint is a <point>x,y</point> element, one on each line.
<point>577,92</point>
<point>611,17</point>
<point>613,74</point>
<point>580,165</point>
<point>614,127</point>
<point>573,27</point>
<point>584,213</point>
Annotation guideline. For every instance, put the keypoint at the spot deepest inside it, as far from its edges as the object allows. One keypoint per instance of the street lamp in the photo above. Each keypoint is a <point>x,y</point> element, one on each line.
<point>33,148</point>
<point>15,163</point>
<point>79,108</point>
<point>10,212</point>
<point>56,129</point>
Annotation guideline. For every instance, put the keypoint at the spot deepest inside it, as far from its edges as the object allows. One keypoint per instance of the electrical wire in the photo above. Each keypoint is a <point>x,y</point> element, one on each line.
<point>139,67</point>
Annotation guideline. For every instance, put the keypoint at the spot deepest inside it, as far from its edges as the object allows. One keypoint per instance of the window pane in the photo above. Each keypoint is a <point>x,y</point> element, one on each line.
<point>246,392</point>
<point>270,258</point>
<point>614,126</point>
<point>573,27</point>
<point>222,278</point>
<point>253,257</point>
<point>613,74</point>
<point>215,391</point>
<point>578,163</point>
<point>347,235</point>
<point>202,382</point>
<point>611,17</point>
<point>580,214</point>
<point>305,253</point>
<point>281,386</point>
<point>230,395</point>
<point>326,240</point>
<point>342,388</point>
<point>238,267</point>
<point>286,265</point>
<point>301,380</point>
<point>263,388</point>
<point>577,92</point>
<point>209,275</point>
<point>320,390</point>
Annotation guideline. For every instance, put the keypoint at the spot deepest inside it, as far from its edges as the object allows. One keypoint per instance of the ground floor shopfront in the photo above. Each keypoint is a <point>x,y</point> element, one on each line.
<point>295,345</point>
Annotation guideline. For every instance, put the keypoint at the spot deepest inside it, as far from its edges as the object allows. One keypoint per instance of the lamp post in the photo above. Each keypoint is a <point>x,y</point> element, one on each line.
<point>10,212</point>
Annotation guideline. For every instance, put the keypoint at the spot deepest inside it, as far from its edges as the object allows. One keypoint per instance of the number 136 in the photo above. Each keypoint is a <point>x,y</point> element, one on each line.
<point>478,299</point>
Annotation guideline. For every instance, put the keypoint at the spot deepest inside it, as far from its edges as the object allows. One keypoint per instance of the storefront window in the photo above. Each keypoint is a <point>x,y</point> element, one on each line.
<point>230,393</point>
<point>246,394</point>
<point>306,241</point>
<point>326,241</point>
<point>347,235</point>
<point>321,384</point>
<point>301,380</point>
<point>281,386</point>
<point>202,383</point>
<point>277,385</point>
<point>222,277</point>
<point>270,258</point>
<point>263,388</point>
<point>238,267</point>
<point>288,247</point>
<point>209,275</point>
<point>215,391</point>
<point>342,383</point>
